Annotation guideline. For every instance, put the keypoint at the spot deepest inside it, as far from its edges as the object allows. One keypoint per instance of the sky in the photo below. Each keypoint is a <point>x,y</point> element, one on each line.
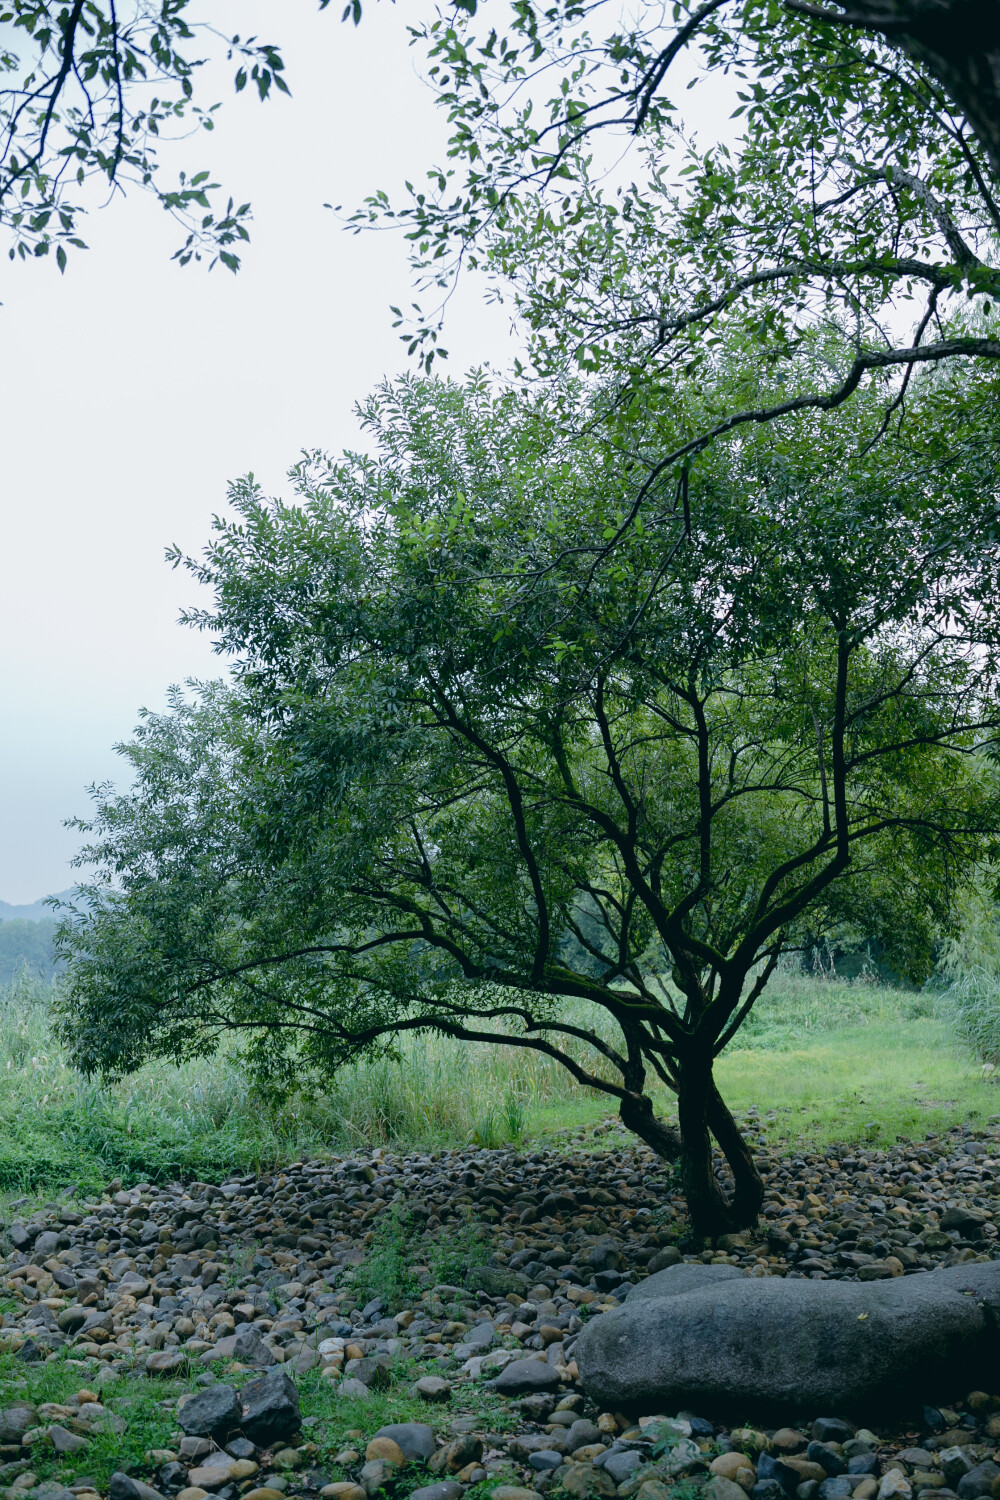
<point>132,391</point>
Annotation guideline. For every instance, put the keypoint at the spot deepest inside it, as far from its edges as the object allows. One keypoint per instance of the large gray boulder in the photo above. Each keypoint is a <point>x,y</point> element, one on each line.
<point>676,1280</point>
<point>775,1345</point>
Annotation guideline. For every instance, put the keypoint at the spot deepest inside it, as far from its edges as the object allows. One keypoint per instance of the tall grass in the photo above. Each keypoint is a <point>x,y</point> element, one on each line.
<point>203,1118</point>
<point>827,1059</point>
<point>797,1007</point>
<point>972,1004</point>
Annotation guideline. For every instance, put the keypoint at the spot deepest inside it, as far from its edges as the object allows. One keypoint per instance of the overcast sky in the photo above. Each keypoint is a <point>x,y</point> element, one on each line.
<point>132,390</point>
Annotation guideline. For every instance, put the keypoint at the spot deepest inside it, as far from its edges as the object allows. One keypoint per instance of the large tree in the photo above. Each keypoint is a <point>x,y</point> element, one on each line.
<point>467,782</point>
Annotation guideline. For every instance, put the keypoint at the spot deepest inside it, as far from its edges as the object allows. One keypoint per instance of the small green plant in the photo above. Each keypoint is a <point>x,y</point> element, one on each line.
<point>240,1262</point>
<point>387,1270</point>
<point>466,1247</point>
<point>514,1116</point>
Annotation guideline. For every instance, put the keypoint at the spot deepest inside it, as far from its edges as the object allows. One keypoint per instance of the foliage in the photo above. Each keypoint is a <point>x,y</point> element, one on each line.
<point>847,182</point>
<point>975,946</point>
<point>87,93</point>
<point>398,1247</point>
<point>824,1054</point>
<point>455,722</point>
<point>972,1003</point>
<point>387,1268</point>
<point>145,1405</point>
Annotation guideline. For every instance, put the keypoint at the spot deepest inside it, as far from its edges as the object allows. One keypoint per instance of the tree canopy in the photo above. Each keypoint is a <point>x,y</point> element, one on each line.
<point>473,776</point>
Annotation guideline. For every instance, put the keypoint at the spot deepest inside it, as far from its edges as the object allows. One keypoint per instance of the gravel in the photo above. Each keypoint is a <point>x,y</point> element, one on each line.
<point>243,1283</point>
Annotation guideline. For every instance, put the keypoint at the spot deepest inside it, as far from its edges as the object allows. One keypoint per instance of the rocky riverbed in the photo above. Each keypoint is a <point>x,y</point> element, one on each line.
<point>240,1302</point>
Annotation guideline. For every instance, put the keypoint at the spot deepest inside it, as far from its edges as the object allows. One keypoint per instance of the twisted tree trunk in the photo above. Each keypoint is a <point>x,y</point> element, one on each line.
<point>702,1115</point>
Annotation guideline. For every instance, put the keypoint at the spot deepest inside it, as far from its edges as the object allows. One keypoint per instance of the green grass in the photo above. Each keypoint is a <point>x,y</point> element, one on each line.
<point>140,1402</point>
<point>821,1060</point>
<point>148,1408</point>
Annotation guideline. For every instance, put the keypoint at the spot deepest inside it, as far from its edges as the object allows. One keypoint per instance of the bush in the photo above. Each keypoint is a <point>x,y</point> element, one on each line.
<point>973,1005</point>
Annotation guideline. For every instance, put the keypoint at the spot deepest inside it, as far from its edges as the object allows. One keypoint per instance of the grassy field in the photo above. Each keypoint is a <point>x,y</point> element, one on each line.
<point>820,1060</point>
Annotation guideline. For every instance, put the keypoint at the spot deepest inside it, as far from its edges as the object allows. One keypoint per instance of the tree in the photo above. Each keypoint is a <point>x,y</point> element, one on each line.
<point>857,189</point>
<point>468,782</point>
<point>91,95</point>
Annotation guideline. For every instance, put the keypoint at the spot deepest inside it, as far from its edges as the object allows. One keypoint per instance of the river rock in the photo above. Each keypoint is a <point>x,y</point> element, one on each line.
<point>210,1413</point>
<point>777,1344</point>
<point>270,1408</point>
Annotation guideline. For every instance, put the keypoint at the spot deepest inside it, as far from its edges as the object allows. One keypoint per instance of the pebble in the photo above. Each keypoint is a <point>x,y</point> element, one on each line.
<point>154,1280</point>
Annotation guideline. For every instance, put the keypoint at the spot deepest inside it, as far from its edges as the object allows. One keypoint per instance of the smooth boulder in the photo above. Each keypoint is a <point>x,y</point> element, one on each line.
<point>771,1344</point>
<point>676,1280</point>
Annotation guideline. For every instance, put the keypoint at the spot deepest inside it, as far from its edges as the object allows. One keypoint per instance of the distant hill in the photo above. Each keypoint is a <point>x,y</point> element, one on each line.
<point>36,912</point>
<point>26,946</point>
<point>26,934</point>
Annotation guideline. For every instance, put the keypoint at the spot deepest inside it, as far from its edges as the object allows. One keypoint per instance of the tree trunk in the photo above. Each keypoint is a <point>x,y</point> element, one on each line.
<point>748,1189</point>
<point>703,1114</point>
<point>636,1113</point>
<point>710,1209</point>
<point>959,42</point>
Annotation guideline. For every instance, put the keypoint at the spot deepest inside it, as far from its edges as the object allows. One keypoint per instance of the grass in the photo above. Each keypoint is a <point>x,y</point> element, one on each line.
<point>148,1408</point>
<point>146,1405</point>
<point>821,1060</point>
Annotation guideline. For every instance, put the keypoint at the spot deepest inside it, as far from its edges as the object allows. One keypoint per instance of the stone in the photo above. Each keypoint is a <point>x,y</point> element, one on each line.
<point>124,1487</point>
<point>894,1484</point>
<point>15,1421</point>
<point>265,1492</point>
<point>514,1492</point>
<point>344,1489</point>
<point>385,1447</point>
<point>350,1389</point>
<point>210,1412</point>
<point>66,1442</point>
<point>669,1256</point>
<point>831,1430</point>
<point>164,1362</point>
<point>192,1492</point>
<point>448,1489</point>
<point>245,1345</point>
<point>433,1388</point>
<point>621,1466</point>
<point>678,1280</point>
<point>721,1488</point>
<point>210,1476</point>
<point>837,1487</point>
<point>828,1459</point>
<point>545,1459</point>
<point>978,1481</point>
<point>454,1456</point>
<point>415,1439</point>
<point>728,1465</point>
<point>784,1345</point>
<point>374,1370</point>
<point>71,1319</point>
<point>788,1440</point>
<point>269,1408</point>
<point>524,1377</point>
<point>955,1464</point>
<point>586,1480</point>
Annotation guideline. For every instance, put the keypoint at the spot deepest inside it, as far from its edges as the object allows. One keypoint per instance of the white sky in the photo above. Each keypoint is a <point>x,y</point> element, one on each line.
<point>132,390</point>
